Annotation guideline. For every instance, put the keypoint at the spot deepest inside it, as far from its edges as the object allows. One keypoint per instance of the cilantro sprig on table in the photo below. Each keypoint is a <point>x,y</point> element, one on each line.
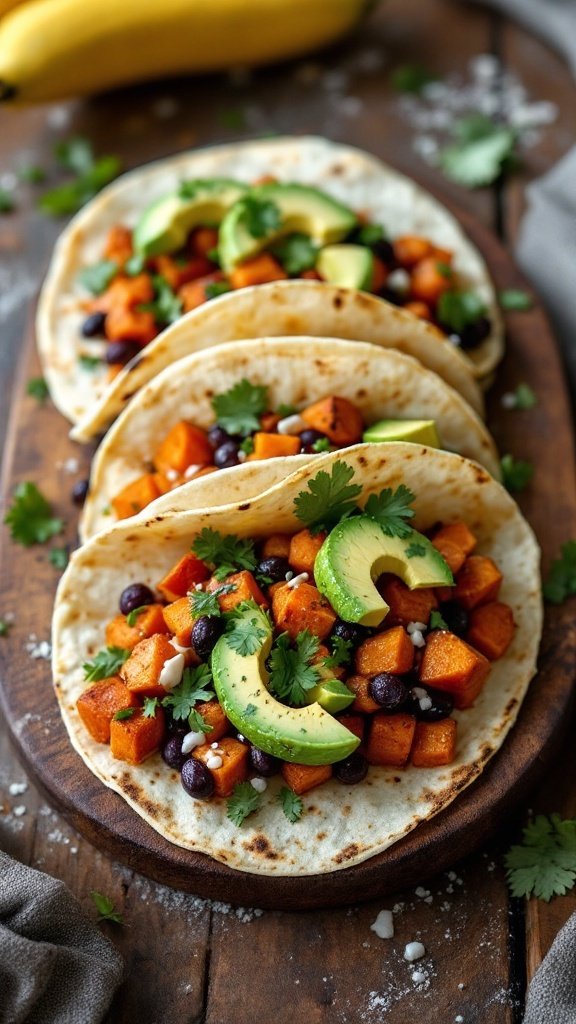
<point>544,864</point>
<point>58,557</point>
<point>243,802</point>
<point>516,473</point>
<point>106,663</point>
<point>411,78</point>
<point>561,581</point>
<point>292,673</point>
<point>515,299</point>
<point>7,203</point>
<point>37,388</point>
<point>291,804</point>
<point>91,174</point>
<point>106,909</point>
<point>523,397</point>
<point>30,518</point>
<point>482,149</point>
<point>5,627</point>
<point>193,688</point>
<point>238,409</point>
<point>226,552</point>
<point>328,499</point>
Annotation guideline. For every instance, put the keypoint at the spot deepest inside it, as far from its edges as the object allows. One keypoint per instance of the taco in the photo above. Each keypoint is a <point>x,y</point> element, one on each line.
<point>263,398</point>
<point>306,719</point>
<point>168,237</point>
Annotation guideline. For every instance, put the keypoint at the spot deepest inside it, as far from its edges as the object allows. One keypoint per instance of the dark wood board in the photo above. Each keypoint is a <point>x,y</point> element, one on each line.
<point>38,444</point>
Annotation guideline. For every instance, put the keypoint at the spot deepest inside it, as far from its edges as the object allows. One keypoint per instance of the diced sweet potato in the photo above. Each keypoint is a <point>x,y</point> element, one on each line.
<point>130,325</point>
<point>149,622</point>
<point>203,241</point>
<point>379,274</point>
<point>245,589</point>
<point>212,713</point>
<point>302,777</point>
<point>337,672</point>
<point>434,743</point>
<point>478,582</point>
<point>184,445</point>
<point>260,270</point>
<point>270,446</point>
<point>450,664</point>
<point>136,496</point>
<point>491,629</point>
<point>163,483</point>
<point>193,294</point>
<point>278,545</point>
<point>136,738</point>
<point>451,553</point>
<point>420,309</point>
<point>355,723</point>
<point>390,739</point>
<point>459,534</point>
<point>410,249</point>
<point>304,546</point>
<point>100,702</point>
<point>178,618</point>
<point>118,247</point>
<point>234,769</point>
<point>141,671</point>
<point>363,702</point>
<point>178,274</point>
<point>337,418</point>
<point>269,421</point>
<point>125,293</point>
<point>183,577</point>
<point>303,607</point>
<point>407,605</point>
<point>390,651</point>
<point>429,280</point>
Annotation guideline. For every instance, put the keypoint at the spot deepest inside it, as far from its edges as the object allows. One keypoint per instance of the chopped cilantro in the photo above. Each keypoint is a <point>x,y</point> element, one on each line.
<point>250,710</point>
<point>544,864</point>
<point>480,152</point>
<point>105,664</point>
<point>135,265</point>
<point>411,78</point>
<point>193,688</point>
<point>245,635</point>
<point>291,671</point>
<point>214,255</point>
<point>244,801</point>
<point>390,509</point>
<point>30,518</point>
<point>166,307</point>
<point>291,804</point>
<point>5,627</point>
<point>58,557</point>
<point>286,410</point>
<point>237,410</point>
<point>516,473</point>
<point>369,234</point>
<point>132,616</point>
<point>456,310</point>
<point>515,298</point>
<point>341,652</point>
<point>225,551</point>
<point>415,550</point>
<point>37,388</point>
<point>32,174</point>
<point>197,723</point>
<point>204,603</point>
<point>261,217</point>
<point>89,362</point>
<point>321,445</point>
<point>215,288</point>
<point>105,908</point>
<point>561,581</point>
<point>91,174</point>
<point>296,253</point>
<point>7,204</point>
<point>119,716</point>
<point>329,498</point>
<point>436,620</point>
<point>524,397</point>
<point>444,269</point>
<point>150,705</point>
<point>247,445</point>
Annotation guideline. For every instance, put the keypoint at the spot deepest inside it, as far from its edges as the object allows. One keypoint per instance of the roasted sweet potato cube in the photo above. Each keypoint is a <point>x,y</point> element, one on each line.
<point>336,671</point>
<point>136,738</point>
<point>136,496</point>
<point>141,671</point>
<point>259,270</point>
<point>203,241</point>
<point>185,445</point>
<point>450,664</point>
<point>304,546</point>
<point>234,756</point>
<point>303,607</point>
<point>355,723</point>
<point>390,651</point>
<point>277,545</point>
<point>406,605</point>
<point>434,743</point>
<point>212,713</point>
<point>183,577</point>
<point>410,249</point>
<point>363,702</point>
<point>148,622</point>
<point>124,324</point>
<point>270,446</point>
<point>478,582</point>
<point>178,619</point>
<point>337,418</point>
<point>302,777</point>
<point>245,589</point>
<point>458,534</point>
<point>269,421</point>
<point>118,247</point>
<point>100,702</point>
<point>390,739</point>
<point>451,553</point>
<point>491,629</point>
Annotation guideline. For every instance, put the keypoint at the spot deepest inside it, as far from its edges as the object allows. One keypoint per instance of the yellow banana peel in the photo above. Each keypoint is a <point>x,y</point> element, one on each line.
<point>54,49</point>
<point>9,5</point>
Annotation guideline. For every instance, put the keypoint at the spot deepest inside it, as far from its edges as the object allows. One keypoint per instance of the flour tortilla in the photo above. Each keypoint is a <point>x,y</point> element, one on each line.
<point>341,825</point>
<point>351,176</point>
<point>382,383</point>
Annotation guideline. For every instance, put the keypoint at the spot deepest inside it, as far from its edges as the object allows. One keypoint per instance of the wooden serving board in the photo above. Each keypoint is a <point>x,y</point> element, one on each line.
<point>38,449</point>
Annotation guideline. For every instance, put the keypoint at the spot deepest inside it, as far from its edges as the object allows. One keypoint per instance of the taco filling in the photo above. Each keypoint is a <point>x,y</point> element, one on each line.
<point>313,655</point>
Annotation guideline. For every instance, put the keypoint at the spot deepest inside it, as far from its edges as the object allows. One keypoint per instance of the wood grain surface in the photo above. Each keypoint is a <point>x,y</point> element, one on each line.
<point>195,961</point>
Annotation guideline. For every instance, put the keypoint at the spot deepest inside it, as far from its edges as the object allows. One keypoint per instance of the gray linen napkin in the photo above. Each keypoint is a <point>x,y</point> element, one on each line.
<point>55,966</point>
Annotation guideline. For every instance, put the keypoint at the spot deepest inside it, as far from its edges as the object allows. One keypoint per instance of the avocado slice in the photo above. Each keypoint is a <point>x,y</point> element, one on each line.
<point>357,552</point>
<point>347,266</point>
<point>416,431</point>
<point>332,694</point>
<point>165,224</point>
<point>298,208</point>
<point>306,735</point>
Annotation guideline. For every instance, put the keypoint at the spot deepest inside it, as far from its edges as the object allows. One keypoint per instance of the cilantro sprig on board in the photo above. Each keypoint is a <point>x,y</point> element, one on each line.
<point>106,908</point>
<point>516,473</point>
<point>561,580</point>
<point>544,863</point>
<point>30,518</point>
<point>482,149</point>
<point>90,174</point>
<point>237,410</point>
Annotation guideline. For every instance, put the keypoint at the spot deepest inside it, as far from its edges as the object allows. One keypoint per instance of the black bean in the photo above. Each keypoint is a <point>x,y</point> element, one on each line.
<point>308,437</point>
<point>455,617</point>
<point>391,296</point>
<point>275,568</point>
<point>263,763</point>
<point>93,325</point>
<point>205,632</point>
<point>172,752</point>
<point>226,455</point>
<point>135,596</point>
<point>385,250</point>
<point>474,334</point>
<point>121,352</point>
<point>352,769</point>
<point>389,691</point>
<point>196,779</point>
<point>79,491</point>
<point>350,631</point>
<point>218,436</point>
<point>441,707</point>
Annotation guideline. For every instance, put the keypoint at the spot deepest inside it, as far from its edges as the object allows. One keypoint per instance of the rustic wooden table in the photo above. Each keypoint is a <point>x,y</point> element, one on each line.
<point>186,959</point>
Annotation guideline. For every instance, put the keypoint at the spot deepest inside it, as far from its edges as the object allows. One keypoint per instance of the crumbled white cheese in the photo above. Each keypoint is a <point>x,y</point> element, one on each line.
<point>40,649</point>
<point>240,737</point>
<point>416,627</point>
<point>421,892</point>
<point>455,340</point>
<point>191,740</point>
<point>302,577</point>
<point>383,925</point>
<point>19,811</point>
<point>418,977</point>
<point>70,466</point>
<point>289,576</point>
<point>414,951</point>
<point>258,784</point>
<point>214,745</point>
<point>178,647</point>
<point>425,703</point>
<point>458,1019</point>
<point>417,638</point>
<point>191,471</point>
<point>172,475</point>
<point>508,400</point>
<point>242,456</point>
<point>291,425</point>
<point>172,671</point>
<point>418,692</point>
<point>17,788</point>
<point>398,281</point>
<point>213,761</point>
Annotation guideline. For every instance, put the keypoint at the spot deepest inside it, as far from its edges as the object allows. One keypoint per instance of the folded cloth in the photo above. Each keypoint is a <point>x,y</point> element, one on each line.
<point>552,994</point>
<point>55,966</point>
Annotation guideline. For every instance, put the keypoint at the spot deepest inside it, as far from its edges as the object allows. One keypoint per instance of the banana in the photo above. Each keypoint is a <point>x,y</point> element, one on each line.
<point>54,49</point>
<point>8,5</point>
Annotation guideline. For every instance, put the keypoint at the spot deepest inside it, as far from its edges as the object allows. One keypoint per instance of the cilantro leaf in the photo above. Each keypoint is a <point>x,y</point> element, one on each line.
<point>166,307</point>
<point>76,155</point>
<point>411,78</point>
<point>436,620</point>
<point>105,908</point>
<point>516,473</point>
<point>368,234</point>
<point>261,217</point>
<point>132,616</point>
<point>247,445</point>
<point>544,864</point>
<point>97,276</point>
<point>37,388</point>
<point>245,635</point>
<point>523,397</point>
<point>204,603</point>
<point>58,557</point>
<point>341,652</point>
<point>238,409</point>
<point>32,174</point>
<point>197,723</point>
<point>321,445</point>
<point>106,663</point>
<point>296,253</point>
<point>515,298</point>
<point>284,410</point>
<point>89,362</point>
<point>244,801</point>
<point>456,310</point>
<point>291,804</point>
<point>561,581</point>
<point>480,152</point>
<point>150,705</point>
<point>226,551</point>
<point>30,518</point>
<point>291,671</point>
<point>5,627</point>
<point>123,713</point>
<point>135,265</point>
<point>415,550</point>
<point>329,498</point>
<point>193,688</point>
<point>390,509</point>
<point>7,204</point>
<point>215,288</point>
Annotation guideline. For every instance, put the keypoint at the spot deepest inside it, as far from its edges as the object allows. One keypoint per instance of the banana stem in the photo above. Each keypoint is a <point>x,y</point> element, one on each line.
<point>7,91</point>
